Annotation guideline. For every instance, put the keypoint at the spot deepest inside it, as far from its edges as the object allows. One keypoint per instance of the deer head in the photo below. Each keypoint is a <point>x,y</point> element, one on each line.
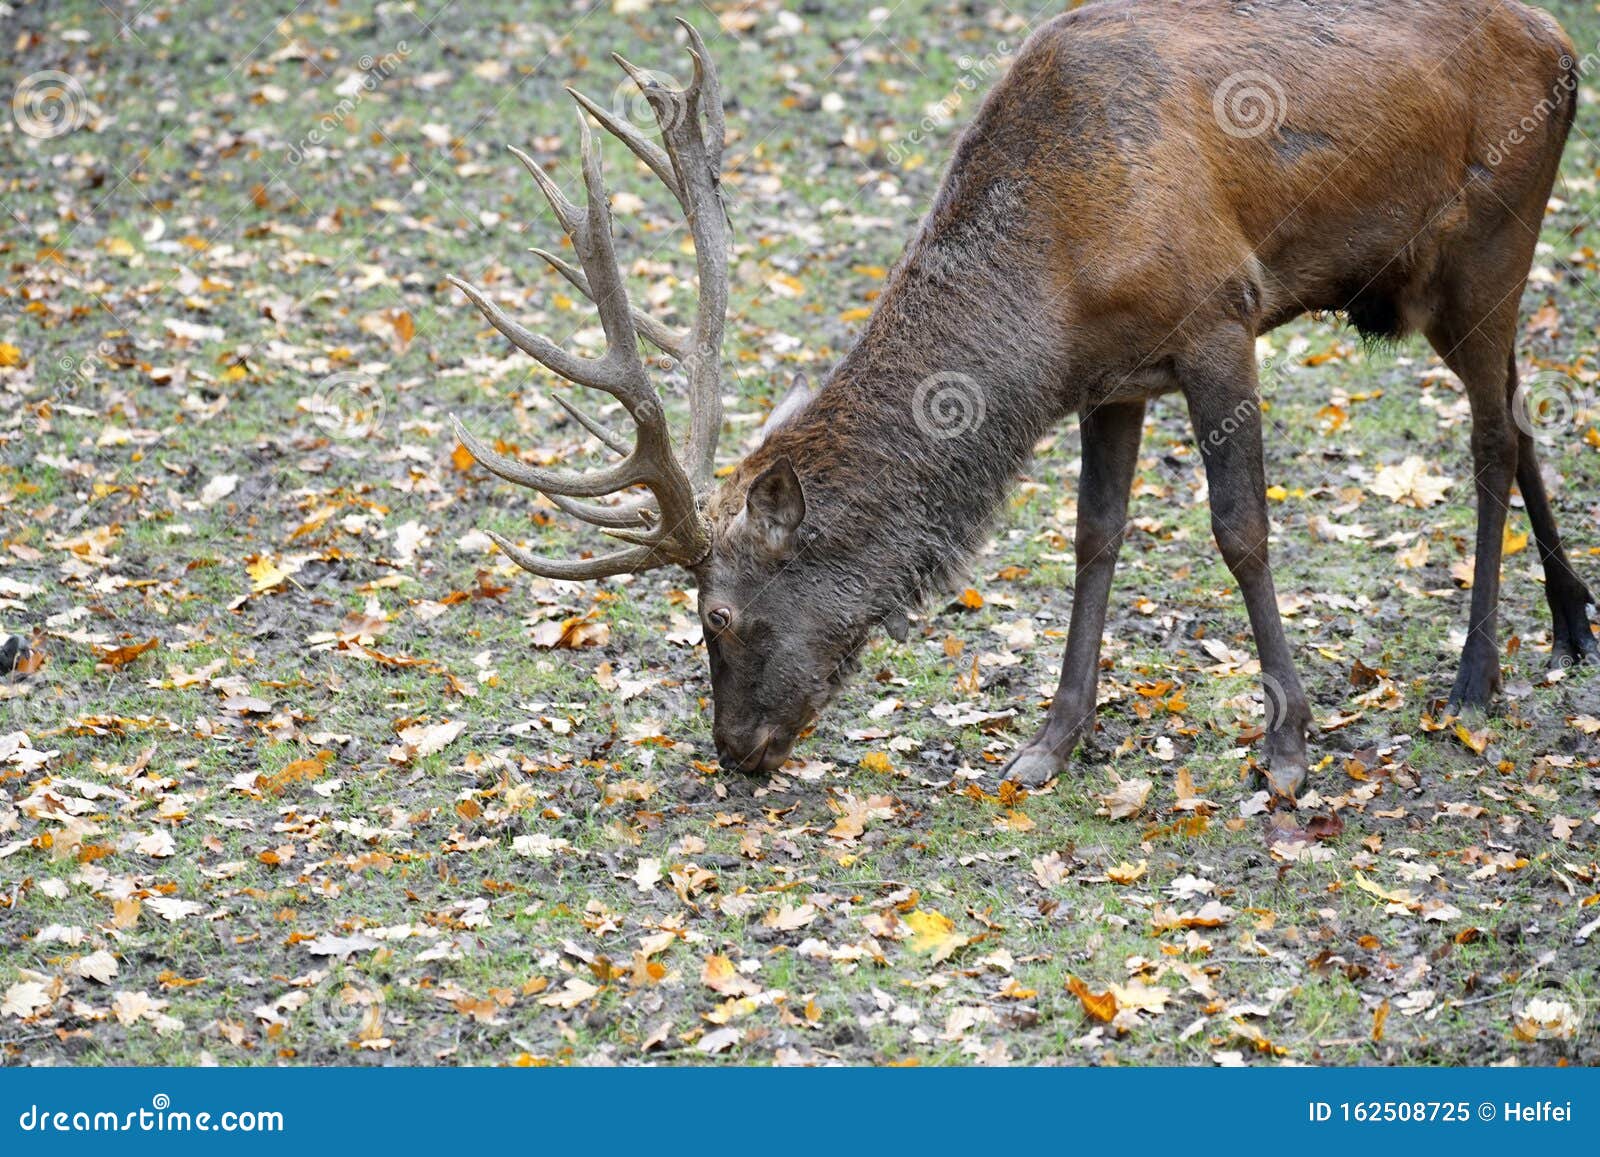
<point>771,628</point>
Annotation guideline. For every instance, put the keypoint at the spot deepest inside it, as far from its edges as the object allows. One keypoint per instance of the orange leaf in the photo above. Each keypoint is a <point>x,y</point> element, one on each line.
<point>1101,1006</point>
<point>114,657</point>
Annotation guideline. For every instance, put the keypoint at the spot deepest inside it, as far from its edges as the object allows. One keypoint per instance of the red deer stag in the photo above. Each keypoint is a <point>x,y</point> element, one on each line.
<point>1106,233</point>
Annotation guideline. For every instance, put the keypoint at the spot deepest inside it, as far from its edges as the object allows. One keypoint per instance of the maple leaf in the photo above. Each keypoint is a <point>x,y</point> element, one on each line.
<point>1127,799</point>
<point>1126,873</point>
<point>1410,484</point>
<point>1545,1018</point>
<point>421,740</point>
<point>1100,1006</point>
<point>24,999</point>
<point>722,976</point>
<point>112,658</point>
<point>100,966</point>
<point>933,935</point>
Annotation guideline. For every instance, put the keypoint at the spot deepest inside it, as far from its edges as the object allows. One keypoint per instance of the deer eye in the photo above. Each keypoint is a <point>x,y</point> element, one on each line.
<point>720,618</point>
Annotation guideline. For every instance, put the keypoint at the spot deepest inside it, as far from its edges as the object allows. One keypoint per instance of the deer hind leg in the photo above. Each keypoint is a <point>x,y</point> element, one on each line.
<point>1219,384</point>
<point>1478,349</point>
<point>1573,641</point>
<point>1111,436</point>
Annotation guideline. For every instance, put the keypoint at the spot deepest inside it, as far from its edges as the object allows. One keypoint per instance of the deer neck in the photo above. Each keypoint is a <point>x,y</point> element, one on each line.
<point>909,449</point>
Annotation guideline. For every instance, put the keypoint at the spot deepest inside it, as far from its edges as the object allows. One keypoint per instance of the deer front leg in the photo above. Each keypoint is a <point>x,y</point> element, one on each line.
<point>1219,385</point>
<point>1111,436</point>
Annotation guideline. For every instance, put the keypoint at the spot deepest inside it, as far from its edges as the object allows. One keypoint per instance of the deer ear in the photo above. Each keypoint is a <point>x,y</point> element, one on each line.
<point>799,393</point>
<point>776,505</point>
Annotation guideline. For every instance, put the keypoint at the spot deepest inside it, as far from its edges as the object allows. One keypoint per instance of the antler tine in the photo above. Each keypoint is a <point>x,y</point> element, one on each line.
<point>551,482</point>
<point>592,372</point>
<point>666,339</point>
<point>629,561</point>
<point>566,212</point>
<point>698,166</point>
<point>647,151</point>
<point>709,93</point>
<point>635,514</point>
<point>609,437</point>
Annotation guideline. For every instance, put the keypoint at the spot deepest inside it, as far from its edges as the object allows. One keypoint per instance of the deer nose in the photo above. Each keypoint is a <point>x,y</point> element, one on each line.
<point>754,752</point>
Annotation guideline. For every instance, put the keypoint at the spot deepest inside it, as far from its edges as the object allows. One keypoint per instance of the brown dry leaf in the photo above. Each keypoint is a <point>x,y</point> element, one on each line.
<point>854,813</point>
<point>1380,1016</point>
<point>1385,894</point>
<point>1188,798</point>
<point>1545,1018</point>
<point>1476,741</point>
<point>1127,798</point>
<point>789,917</point>
<point>1050,870</point>
<point>570,634</point>
<point>24,999</point>
<point>265,573</point>
<point>98,966</point>
<point>719,1041</point>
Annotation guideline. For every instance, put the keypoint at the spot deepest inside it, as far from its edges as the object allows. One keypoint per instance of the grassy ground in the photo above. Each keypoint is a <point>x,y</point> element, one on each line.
<point>371,796</point>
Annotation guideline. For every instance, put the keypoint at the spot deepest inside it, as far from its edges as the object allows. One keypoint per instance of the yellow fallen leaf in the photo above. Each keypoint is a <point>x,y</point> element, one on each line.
<point>1384,894</point>
<point>1126,873</point>
<point>1477,741</point>
<point>933,934</point>
<point>265,574</point>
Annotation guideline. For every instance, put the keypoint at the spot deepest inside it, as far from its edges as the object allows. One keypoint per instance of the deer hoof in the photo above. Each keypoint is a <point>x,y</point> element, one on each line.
<point>1477,684</point>
<point>1032,767</point>
<point>1569,653</point>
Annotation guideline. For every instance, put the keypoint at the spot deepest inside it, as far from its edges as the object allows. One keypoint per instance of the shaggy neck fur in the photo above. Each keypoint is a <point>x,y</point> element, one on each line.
<point>910,447</point>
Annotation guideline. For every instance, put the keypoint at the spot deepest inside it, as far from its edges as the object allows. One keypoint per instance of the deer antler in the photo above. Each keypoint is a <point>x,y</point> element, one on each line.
<point>666,526</point>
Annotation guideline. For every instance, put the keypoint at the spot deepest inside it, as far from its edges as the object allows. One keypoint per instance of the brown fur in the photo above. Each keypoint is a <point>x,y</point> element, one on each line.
<point>1099,239</point>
